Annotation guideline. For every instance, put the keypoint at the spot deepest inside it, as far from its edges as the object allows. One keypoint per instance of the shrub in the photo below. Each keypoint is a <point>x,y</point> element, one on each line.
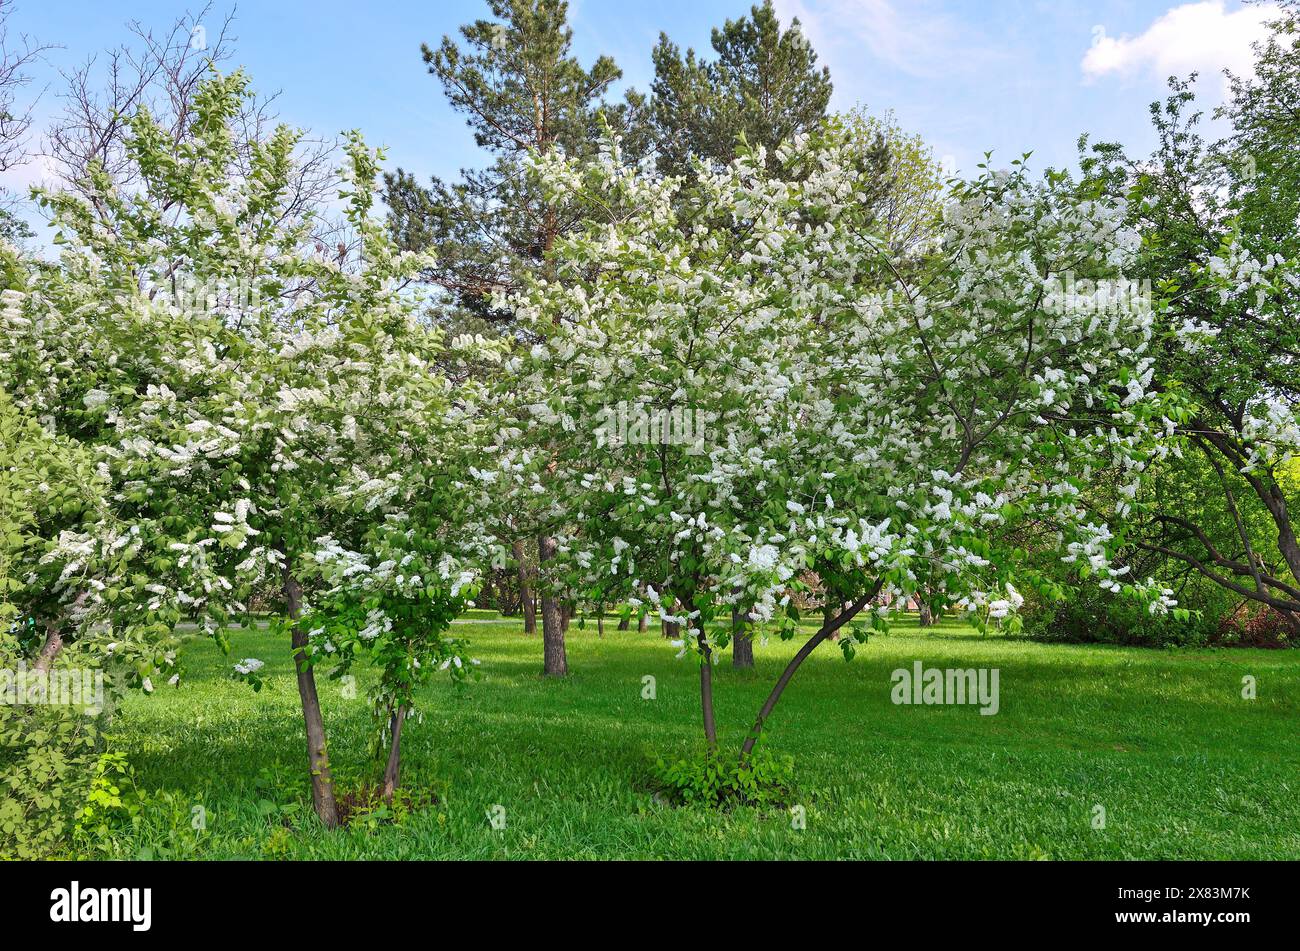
<point>1095,618</point>
<point>48,764</point>
<point>762,780</point>
<point>1250,625</point>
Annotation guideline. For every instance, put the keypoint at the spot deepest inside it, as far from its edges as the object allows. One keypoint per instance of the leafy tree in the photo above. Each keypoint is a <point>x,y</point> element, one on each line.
<point>523,93</point>
<point>252,402</point>
<point>47,750</point>
<point>1221,251</point>
<point>875,436</point>
<point>764,86</point>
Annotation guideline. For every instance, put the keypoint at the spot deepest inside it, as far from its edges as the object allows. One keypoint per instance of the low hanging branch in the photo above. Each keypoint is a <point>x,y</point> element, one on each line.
<point>796,662</point>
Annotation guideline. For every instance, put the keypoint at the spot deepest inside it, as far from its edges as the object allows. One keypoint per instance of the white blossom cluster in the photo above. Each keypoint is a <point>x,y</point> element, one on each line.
<point>872,417</point>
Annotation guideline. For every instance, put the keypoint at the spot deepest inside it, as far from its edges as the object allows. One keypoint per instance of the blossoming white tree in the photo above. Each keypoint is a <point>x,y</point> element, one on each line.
<point>876,420</point>
<point>262,410</point>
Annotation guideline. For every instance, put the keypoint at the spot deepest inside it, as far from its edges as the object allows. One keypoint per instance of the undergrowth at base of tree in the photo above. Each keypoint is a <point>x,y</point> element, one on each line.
<point>365,806</point>
<point>721,781</point>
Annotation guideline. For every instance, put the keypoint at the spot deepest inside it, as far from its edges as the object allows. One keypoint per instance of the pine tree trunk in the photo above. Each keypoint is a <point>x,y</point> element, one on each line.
<point>322,779</point>
<point>526,602</point>
<point>555,662</point>
<point>742,642</point>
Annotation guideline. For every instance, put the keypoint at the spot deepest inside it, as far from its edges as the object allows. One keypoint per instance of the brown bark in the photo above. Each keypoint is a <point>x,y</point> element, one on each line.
<point>50,649</point>
<point>625,622</point>
<point>392,772</point>
<point>318,762</point>
<point>828,613</point>
<point>825,632</point>
<point>54,636</point>
<point>555,662</point>
<point>742,642</point>
<point>641,622</point>
<point>927,615</point>
<point>526,602</point>
<point>706,693</point>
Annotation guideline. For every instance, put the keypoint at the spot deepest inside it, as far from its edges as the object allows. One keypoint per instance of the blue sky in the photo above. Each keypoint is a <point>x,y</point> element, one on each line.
<point>969,75</point>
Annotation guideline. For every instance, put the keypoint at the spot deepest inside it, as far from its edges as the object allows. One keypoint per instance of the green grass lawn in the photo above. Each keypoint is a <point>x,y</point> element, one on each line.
<point>1184,767</point>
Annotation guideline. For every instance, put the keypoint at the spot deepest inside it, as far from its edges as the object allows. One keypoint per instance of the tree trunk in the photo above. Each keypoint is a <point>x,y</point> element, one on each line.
<point>828,613</point>
<point>706,697</point>
<point>826,631</point>
<point>671,629</point>
<point>555,662</point>
<point>641,622</point>
<point>50,649</point>
<point>625,622</point>
<point>392,772</point>
<point>54,636</point>
<point>322,779</point>
<point>600,621</point>
<point>742,642</point>
<point>526,602</point>
<point>927,616</point>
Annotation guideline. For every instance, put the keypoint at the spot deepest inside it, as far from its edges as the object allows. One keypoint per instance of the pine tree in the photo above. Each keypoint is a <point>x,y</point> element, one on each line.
<point>520,89</point>
<point>764,84</point>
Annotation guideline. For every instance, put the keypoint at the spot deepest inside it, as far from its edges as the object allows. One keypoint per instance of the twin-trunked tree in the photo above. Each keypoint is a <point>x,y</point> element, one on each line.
<point>738,383</point>
<point>266,417</point>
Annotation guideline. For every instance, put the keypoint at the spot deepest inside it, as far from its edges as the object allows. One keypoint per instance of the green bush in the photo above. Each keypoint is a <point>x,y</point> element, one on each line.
<point>1098,618</point>
<point>717,781</point>
<point>49,756</point>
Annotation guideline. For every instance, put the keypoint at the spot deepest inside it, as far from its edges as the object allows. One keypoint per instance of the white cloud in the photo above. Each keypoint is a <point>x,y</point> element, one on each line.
<point>914,37</point>
<point>1201,37</point>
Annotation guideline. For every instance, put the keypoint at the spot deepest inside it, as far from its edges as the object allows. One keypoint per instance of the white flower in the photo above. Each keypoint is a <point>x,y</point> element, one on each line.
<point>249,665</point>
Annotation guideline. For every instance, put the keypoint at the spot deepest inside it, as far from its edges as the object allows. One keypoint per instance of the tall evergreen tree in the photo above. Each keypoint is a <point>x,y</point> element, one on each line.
<point>764,84</point>
<point>521,90</point>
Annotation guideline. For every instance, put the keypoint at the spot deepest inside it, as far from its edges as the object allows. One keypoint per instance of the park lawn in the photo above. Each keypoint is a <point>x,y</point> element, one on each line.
<point>1184,767</point>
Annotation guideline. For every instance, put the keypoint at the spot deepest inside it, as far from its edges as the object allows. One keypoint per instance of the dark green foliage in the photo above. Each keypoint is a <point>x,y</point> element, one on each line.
<point>1097,618</point>
<point>722,781</point>
<point>521,90</point>
<point>48,765</point>
<point>764,85</point>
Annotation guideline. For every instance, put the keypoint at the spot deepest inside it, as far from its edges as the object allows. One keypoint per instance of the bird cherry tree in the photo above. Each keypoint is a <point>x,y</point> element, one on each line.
<point>261,408</point>
<point>880,421</point>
